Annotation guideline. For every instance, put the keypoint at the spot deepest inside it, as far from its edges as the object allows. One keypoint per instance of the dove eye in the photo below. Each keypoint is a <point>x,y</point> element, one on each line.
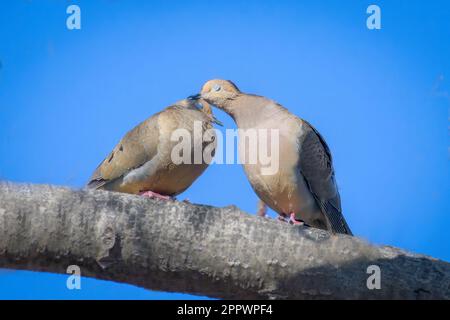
<point>217,87</point>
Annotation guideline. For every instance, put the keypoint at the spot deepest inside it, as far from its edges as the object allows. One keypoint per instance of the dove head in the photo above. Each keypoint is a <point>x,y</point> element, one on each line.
<point>201,105</point>
<point>218,93</point>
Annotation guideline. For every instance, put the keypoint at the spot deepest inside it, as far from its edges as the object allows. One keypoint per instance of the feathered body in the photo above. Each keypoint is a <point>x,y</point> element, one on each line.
<point>305,182</point>
<point>142,160</point>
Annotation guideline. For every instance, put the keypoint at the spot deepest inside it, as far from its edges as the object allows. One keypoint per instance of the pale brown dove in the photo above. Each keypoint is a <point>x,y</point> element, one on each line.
<point>304,186</point>
<point>141,163</point>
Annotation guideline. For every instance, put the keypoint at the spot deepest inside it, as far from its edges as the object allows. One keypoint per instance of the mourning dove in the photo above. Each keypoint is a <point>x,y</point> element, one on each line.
<point>304,186</point>
<point>141,163</point>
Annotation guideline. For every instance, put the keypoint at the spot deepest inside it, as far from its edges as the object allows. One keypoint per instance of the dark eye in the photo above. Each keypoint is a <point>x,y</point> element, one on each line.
<point>217,87</point>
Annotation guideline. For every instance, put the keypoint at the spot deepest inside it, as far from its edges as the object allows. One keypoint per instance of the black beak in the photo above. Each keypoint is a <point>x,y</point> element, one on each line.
<point>194,97</point>
<point>217,121</point>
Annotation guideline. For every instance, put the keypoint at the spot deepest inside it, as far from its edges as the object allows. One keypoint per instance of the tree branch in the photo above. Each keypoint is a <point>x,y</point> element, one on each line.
<point>218,252</point>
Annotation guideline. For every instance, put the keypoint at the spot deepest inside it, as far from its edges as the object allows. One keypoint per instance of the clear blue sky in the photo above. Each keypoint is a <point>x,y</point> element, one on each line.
<point>380,98</point>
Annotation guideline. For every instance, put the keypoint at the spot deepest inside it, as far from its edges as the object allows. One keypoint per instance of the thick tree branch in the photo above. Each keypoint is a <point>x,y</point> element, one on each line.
<point>218,252</point>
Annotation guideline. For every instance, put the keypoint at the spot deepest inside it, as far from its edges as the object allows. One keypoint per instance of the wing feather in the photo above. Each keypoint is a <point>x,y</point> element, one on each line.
<point>317,169</point>
<point>136,148</point>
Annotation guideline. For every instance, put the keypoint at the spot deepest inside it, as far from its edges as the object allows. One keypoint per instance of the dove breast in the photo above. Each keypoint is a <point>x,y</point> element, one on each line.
<point>285,191</point>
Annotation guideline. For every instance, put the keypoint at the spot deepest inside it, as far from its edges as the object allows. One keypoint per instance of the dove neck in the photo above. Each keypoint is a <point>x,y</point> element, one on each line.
<point>250,110</point>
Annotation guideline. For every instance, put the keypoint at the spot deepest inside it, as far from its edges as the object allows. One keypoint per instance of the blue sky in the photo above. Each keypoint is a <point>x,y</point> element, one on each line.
<point>380,98</point>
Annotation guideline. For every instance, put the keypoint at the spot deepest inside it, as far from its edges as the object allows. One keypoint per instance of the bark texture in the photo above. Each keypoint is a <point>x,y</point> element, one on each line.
<point>197,249</point>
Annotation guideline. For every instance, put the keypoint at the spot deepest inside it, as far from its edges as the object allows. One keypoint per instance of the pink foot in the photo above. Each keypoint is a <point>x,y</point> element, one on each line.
<point>152,194</point>
<point>262,212</point>
<point>262,209</point>
<point>295,222</point>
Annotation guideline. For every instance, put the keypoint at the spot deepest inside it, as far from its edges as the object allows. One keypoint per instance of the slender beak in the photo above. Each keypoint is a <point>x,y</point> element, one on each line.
<point>217,121</point>
<point>198,96</point>
<point>195,97</point>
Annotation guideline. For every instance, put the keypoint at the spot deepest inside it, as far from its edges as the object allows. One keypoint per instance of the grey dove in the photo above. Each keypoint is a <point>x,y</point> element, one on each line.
<point>141,163</point>
<point>304,187</point>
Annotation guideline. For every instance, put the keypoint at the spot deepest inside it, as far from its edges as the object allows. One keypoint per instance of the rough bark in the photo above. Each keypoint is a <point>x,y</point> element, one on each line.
<point>197,249</point>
